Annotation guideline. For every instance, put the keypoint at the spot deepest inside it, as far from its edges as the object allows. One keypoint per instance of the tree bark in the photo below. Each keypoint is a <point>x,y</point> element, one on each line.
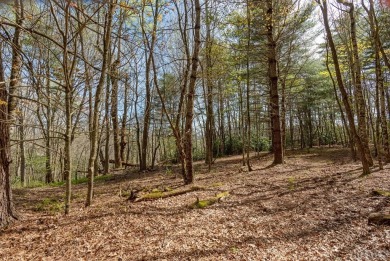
<point>381,99</point>
<point>248,114</point>
<point>209,94</point>
<point>7,210</point>
<point>148,99</point>
<point>277,144</point>
<point>356,67</point>
<point>340,83</point>
<point>22,151</point>
<point>99,88</point>
<point>190,97</point>
<point>114,111</point>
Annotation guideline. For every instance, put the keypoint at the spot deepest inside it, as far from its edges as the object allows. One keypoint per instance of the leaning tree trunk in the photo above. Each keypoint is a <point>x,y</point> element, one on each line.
<point>356,67</point>
<point>324,9</point>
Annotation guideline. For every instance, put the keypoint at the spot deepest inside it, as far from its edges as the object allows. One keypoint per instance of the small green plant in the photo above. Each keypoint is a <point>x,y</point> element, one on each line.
<point>234,249</point>
<point>292,182</point>
<point>215,185</point>
<point>57,184</point>
<point>168,171</point>
<point>222,195</point>
<point>50,205</point>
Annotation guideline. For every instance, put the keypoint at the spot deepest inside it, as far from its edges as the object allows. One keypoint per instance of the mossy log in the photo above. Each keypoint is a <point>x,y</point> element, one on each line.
<point>158,194</point>
<point>378,192</point>
<point>210,201</point>
<point>379,219</point>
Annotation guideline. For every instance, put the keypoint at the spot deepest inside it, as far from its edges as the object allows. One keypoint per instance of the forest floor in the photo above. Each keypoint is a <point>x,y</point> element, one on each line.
<point>314,207</point>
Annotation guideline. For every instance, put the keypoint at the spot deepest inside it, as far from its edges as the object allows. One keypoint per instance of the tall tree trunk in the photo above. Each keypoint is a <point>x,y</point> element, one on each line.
<point>343,120</point>
<point>7,106</point>
<point>114,99</point>
<point>148,99</point>
<point>381,108</point>
<point>365,163</point>
<point>48,126</point>
<point>209,94</point>
<point>190,97</point>
<point>248,114</point>
<point>7,210</point>
<point>99,88</point>
<point>221,116</point>
<point>114,110</point>
<point>22,151</point>
<point>277,145</point>
<point>124,122</point>
<point>356,67</point>
<point>67,148</point>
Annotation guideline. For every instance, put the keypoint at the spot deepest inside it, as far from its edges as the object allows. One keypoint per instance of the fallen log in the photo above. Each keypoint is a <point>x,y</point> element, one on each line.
<point>379,192</point>
<point>379,219</point>
<point>210,201</point>
<point>157,194</point>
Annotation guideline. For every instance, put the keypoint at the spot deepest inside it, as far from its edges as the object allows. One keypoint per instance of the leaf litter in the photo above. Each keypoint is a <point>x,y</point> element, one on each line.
<point>314,207</point>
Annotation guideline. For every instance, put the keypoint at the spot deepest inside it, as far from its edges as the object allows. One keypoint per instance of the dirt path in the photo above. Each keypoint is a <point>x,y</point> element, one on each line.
<point>315,207</point>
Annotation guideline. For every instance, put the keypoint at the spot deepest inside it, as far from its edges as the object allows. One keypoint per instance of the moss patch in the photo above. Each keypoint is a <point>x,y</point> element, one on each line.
<point>204,203</point>
<point>292,183</point>
<point>378,192</point>
<point>50,205</point>
<point>215,185</point>
<point>210,201</point>
<point>153,195</point>
<point>165,193</point>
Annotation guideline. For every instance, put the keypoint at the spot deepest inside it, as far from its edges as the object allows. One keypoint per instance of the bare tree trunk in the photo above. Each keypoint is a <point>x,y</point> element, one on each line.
<point>340,83</point>
<point>67,149</point>
<point>221,116</point>
<point>190,97</point>
<point>114,110</point>
<point>7,210</point>
<point>343,120</point>
<point>48,126</point>
<point>150,44</point>
<point>381,108</point>
<point>22,151</point>
<point>95,118</point>
<point>123,123</point>
<point>356,67</point>
<point>248,114</point>
<point>277,145</point>
<point>209,94</point>
<point>7,106</point>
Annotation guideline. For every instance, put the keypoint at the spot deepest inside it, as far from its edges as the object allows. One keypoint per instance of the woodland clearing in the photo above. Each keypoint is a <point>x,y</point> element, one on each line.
<point>314,207</point>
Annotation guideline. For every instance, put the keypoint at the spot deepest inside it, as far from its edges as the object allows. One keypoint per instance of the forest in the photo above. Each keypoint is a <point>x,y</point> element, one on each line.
<point>194,130</point>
